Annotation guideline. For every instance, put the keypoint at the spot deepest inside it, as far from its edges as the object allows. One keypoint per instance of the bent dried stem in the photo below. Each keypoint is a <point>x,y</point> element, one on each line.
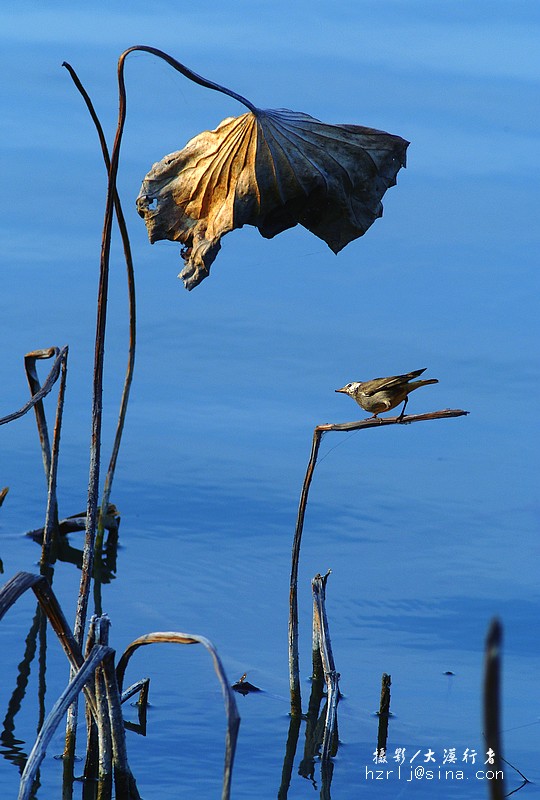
<point>50,460</point>
<point>188,73</point>
<point>52,377</point>
<point>294,671</point>
<point>233,717</point>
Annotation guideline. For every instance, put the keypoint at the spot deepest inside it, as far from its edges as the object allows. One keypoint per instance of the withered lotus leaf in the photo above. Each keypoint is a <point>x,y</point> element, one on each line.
<point>272,169</point>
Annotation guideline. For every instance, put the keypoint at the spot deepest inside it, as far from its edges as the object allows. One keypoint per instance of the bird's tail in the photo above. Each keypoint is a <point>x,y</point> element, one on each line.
<point>414,374</point>
<point>418,384</point>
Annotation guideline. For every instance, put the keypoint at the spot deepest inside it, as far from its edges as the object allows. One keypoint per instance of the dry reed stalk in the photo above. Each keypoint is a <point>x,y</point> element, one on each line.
<point>50,458</point>
<point>384,713</point>
<point>97,413</point>
<point>124,782</point>
<point>294,663</point>
<point>331,676</point>
<point>231,710</point>
<point>91,763</point>
<point>492,713</point>
<point>59,353</point>
<point>139,687</point>
<point>104,734</point>
<point>294,668</point>
<point>35,387</point>
<point>56,715</point>
<point>105,499</point>
<point>50,532</point>
<point>142,688</point>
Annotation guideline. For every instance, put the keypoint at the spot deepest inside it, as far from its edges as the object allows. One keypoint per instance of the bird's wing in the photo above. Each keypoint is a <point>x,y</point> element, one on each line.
<point>379,384</point>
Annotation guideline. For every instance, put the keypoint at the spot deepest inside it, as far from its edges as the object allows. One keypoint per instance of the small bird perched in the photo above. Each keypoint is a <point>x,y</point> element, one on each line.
<point>382,394</point>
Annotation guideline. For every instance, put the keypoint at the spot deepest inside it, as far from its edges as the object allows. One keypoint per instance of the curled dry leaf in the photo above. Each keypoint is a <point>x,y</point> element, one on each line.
<point>272,169</point>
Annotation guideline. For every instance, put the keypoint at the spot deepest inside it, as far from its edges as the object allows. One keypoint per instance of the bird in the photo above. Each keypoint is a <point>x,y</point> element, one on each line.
<point>382,394</point>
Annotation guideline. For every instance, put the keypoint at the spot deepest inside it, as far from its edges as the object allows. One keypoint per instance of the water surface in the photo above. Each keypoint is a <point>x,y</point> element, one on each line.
<point>430,530</point>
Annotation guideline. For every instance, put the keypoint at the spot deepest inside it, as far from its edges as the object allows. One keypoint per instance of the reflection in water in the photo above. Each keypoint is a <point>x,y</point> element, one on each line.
<point>13,751</point>
<point>269,344</point>
<point>315,726</point>
<point>105,562</point>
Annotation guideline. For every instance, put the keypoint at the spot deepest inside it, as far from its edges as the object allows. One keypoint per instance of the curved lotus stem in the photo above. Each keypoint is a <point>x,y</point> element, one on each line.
<point>97,390</point>
<point>233,717</point>
<point>188,73</point>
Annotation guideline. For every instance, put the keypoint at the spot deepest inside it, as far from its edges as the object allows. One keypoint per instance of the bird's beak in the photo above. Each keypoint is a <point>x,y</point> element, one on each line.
<point>344,390</point>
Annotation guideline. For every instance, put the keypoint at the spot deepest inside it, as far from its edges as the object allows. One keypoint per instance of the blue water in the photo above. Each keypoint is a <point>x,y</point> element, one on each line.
<point>431,529</point>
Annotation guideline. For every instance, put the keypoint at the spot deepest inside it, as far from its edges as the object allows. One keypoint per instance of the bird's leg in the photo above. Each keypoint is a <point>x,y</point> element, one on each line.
<point>400,418</point>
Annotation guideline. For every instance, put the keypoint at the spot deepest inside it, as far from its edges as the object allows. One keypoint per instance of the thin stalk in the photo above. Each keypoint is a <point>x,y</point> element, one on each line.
<point>492,706</point>
<point>92,745</point>
<point>38,392</point>
<point>51,517</point>
<point>384,713</point>
<point>233,717</point>
<point>192,76</point>
<point>97,412</point>
<point>50,380</point>
<point>331,676</point>
<point>294,670</point>
<point>294,664</point>
<point>123,778</point>
<point>35,386</point>
<point>105,747</point>
<point>132,310</point>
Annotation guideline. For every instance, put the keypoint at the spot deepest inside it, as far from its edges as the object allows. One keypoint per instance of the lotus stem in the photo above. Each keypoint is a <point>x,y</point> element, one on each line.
<point>294,670</point>
<point>132,310</point>
<point>492,703</point>
<point>50,531</point>
<point>188,73</point>
<point>331,676</point>
<point>233,717</point>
